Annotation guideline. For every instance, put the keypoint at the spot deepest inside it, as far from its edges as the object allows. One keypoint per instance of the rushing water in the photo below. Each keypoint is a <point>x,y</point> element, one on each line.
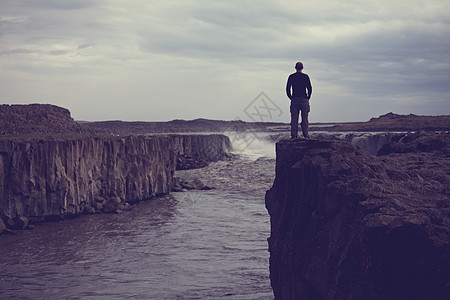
<point>188,245</point>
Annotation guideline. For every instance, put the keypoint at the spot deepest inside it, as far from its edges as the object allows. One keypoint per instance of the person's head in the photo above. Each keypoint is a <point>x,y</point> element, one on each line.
<point>299,66</point>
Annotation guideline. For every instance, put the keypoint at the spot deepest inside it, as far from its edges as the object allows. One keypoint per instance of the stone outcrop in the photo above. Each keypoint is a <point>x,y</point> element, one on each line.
<point>368,141</point>
<point>36,119</point>
<point>349,225</point>
<point>46,178</point>
<point>372,143</point>
<point>419,142</point>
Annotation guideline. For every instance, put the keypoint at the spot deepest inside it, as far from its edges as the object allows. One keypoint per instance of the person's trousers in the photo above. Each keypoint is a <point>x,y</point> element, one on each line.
<point>297,105</point>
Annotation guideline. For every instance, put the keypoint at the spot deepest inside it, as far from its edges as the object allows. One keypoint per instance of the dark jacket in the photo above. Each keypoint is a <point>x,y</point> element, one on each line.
<point>301,86</point>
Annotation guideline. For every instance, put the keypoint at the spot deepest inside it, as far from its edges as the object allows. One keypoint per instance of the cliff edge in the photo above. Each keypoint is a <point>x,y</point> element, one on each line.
<point>346,224</point>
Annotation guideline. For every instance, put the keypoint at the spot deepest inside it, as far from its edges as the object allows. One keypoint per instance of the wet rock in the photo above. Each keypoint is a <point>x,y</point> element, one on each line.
<point>189,184</point>
<point>2,226</point>
<point>112,205</point>
<point>194,184</point>
<point>99,203</point>
<point>124,206</point>
<point>348,225</point>
<point>101,200</point>
<point>17,223</point>
<point>176,185</point>
<point>206,188</point>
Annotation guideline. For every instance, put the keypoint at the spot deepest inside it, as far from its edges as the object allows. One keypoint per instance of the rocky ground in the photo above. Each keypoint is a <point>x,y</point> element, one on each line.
<point>395,122</point>
<point>36,119</point>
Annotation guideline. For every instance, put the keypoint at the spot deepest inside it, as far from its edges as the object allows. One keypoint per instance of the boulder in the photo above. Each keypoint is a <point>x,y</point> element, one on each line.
<point>111,205</point>
<point>124,206</point>
<point>189,184</point>
<point>17,223</point>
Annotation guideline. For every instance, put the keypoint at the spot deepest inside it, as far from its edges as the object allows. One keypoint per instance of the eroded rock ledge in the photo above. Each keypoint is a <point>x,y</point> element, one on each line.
<point>349,225</point>
<point>46,178</point>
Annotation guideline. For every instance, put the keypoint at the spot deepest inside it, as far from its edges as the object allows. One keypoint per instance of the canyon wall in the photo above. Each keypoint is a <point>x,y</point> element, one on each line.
<point>45,178</point>
<point>196,151</point>
<point>349,225</point>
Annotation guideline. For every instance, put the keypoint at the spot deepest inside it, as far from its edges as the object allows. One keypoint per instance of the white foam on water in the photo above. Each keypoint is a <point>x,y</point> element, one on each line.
<point>252,145</point>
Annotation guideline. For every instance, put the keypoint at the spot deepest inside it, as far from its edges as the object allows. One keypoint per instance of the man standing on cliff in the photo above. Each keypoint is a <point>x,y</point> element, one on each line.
<point>299,90</point>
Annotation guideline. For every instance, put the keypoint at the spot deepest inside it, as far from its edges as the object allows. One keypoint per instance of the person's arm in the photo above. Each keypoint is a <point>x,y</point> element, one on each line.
<point>288,88</point>
<point>309,88</point>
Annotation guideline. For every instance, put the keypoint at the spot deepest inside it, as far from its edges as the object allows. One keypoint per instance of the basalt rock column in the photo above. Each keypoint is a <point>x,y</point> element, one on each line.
<point>50,177</point>
<point>55,176</point>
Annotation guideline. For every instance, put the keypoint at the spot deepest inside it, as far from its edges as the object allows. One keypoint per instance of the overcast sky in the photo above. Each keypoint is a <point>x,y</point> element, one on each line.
<point>179,59</point>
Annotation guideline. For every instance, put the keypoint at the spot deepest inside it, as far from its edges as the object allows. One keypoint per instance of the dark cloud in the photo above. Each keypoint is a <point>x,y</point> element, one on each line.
<point>84,46</point>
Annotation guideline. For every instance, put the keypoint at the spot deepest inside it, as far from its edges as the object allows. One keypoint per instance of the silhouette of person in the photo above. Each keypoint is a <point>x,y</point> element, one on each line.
<point>300,85</point>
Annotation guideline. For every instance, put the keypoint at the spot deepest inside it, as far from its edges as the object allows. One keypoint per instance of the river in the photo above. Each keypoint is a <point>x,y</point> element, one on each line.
<point>209,244</point>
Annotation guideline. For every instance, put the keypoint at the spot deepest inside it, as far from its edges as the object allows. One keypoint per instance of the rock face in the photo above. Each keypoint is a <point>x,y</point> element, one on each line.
<point>196,151</point>
<point>44,178</point>
<point>52,177</point>
<point>349,225</point>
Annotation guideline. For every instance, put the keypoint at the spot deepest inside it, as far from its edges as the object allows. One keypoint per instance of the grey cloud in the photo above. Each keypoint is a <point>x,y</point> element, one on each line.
<point>58,52</point>
<point>389,61</point>
<point>17,51</point>
<point>58,5</point>
<point>365,48</point>
<point>84,46</point>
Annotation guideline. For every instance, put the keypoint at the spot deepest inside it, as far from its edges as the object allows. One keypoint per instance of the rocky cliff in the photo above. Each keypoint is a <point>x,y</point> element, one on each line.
<point>349,225</point>
<point>45,178</point>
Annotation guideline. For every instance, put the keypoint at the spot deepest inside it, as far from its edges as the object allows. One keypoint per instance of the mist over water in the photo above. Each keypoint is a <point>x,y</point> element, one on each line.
<point>186,245</point>
<point>252,145</point>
